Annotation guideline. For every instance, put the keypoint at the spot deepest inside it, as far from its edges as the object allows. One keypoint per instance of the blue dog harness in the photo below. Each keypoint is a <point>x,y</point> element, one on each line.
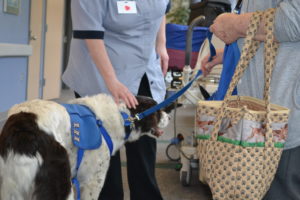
<point>87,132</point>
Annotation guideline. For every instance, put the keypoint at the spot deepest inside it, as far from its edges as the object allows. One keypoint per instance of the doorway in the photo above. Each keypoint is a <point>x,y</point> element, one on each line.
<point>47,40</point>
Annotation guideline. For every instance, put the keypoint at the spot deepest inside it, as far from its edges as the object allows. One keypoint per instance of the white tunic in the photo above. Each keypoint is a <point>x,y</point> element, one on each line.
<point>129,40</point>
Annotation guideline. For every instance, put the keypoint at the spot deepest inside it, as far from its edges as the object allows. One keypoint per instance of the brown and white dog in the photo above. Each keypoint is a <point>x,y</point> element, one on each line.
<point>37,155</point>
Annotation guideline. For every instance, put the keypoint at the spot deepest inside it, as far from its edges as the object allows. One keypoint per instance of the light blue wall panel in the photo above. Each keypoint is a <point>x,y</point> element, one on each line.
<point>13,70</point>
<point>13,82</point>
<point>15,28</point>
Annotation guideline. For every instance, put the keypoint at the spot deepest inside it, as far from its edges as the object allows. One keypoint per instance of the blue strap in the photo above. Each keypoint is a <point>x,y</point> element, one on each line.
<point>230,61</point>
<point>168,100</point>
<point>238,7</point>
<point>106,136</point>
<point>80,154</point>
<point>75,182</point>
<point>127,124</point>
<point>211,46</point>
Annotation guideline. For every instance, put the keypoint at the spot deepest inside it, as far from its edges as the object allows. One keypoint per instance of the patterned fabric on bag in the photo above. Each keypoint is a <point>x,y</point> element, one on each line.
<point>240,139</point>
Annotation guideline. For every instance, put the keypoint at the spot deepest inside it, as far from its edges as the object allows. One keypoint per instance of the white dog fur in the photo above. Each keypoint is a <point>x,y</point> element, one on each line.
<point>17,172</point>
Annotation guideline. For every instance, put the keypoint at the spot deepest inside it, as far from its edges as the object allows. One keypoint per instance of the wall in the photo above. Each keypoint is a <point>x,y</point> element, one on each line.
<point>14,31</point>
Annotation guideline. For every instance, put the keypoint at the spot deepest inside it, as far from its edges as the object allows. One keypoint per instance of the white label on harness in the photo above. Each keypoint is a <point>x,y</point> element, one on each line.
<point>126,7</point>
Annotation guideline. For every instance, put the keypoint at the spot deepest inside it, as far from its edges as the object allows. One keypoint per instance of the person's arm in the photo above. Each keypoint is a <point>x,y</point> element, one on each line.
<point>161,48</point>
<point>87,21</point>
<point>287,21</point>
<point>99,55</point>
<point>230,27</point>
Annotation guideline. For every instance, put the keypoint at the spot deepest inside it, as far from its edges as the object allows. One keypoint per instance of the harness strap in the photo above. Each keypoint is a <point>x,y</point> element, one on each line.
<point>106,136</point>
<point>75,182</point>
<point>80,152</point>
<point>127,124</point>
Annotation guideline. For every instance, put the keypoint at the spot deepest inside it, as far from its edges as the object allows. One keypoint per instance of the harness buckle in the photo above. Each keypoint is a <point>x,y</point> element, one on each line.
<point>137,117</point>
<point>132,119</point>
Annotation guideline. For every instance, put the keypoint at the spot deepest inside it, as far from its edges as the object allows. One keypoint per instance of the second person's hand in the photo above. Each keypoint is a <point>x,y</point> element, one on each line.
<point>206,65</point>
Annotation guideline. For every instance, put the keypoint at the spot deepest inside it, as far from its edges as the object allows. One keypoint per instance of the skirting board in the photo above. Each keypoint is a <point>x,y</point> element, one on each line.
<point>15,50</point>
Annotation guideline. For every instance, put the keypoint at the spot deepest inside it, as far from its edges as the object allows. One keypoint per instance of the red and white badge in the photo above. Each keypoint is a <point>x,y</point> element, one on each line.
<point>126,7</point>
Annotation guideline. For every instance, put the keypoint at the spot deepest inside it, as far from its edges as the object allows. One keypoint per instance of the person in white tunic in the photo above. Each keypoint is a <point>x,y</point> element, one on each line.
<point>118,47</point>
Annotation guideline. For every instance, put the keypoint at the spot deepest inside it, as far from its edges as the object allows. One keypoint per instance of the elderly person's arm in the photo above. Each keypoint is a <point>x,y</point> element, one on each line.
<point>230,27</point>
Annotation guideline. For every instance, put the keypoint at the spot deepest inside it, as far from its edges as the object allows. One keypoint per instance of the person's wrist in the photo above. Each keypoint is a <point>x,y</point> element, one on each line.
<point>110,80</point>
<point>242,23</point>
<point>160,46</point>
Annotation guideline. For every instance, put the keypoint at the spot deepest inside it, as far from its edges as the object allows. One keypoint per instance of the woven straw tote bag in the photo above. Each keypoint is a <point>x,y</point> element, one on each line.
<point>240,139</point>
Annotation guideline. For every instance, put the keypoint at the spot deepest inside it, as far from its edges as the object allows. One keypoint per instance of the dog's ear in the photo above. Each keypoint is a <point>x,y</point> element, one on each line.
<point>149,122</point>
<point>147,102</point>
<point>204,92</point>
<point>144,104</point>
<point>171,107</point>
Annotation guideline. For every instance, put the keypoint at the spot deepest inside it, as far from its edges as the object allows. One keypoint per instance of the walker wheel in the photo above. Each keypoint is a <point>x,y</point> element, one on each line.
<point>172,152</point>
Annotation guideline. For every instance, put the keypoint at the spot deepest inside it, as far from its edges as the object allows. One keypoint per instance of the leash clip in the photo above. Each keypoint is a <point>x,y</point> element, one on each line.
<point>132,119</point>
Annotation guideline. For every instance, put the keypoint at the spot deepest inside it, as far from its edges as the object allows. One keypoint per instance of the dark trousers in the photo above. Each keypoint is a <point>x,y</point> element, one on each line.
<point>286,184</point>
<point>141,157</point>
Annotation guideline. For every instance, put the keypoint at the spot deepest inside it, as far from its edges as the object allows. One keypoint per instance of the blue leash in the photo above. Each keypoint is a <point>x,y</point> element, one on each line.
<point>175,96</point>
<point>168,100</point>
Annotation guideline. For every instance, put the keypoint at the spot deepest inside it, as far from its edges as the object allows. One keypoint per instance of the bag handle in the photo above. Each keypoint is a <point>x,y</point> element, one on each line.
<point>248,52</point>
<point>270,52</point>
<point>249,46</point>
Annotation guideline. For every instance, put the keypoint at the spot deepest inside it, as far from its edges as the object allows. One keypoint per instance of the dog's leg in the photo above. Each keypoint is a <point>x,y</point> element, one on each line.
<point>90,190</point>
<point>92,172</point>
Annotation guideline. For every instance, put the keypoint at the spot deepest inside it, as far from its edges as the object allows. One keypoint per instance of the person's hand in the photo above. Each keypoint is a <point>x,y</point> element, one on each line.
<point>225,27</point>
<point>207,66</point>
<point>121,93</point>
<point>164,58</point>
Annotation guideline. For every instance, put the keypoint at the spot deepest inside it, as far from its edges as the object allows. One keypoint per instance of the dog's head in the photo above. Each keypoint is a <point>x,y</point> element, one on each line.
<point>152,124</point>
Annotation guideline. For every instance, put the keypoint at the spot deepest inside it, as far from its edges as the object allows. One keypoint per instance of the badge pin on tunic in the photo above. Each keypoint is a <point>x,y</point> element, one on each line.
<point>126,7</point>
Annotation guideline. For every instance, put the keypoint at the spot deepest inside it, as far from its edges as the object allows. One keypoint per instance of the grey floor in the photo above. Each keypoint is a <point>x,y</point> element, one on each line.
<point>167,176</point>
